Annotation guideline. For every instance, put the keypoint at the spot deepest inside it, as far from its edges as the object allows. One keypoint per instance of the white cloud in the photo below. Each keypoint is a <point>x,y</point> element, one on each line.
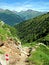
<point>39,6</point>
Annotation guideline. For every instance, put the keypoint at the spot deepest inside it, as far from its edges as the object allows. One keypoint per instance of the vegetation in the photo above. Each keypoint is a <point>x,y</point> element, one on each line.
<point>36,29</point>
<point>40,56</point>
<point>29,44</point>
<point>2,52</point>
<point>7,31</point>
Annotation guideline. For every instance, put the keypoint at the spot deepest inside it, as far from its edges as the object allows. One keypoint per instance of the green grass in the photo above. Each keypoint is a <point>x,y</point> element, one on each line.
<point>44,49</point>
<point>4,33</point>
<point>7,31</point>
<point>2,52</point>
<point>40,56</point>
<point>29,44</point>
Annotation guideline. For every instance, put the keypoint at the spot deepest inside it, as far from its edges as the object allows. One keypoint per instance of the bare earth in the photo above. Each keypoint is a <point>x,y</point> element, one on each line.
<point>23,57</point>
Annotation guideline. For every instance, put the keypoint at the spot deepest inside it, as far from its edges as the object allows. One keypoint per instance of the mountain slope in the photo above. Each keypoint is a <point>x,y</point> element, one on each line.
<point>34,29</point>
<point>13,17</point>
<point>28,14</point>
<point>7,31</point>
<point>9,17</point>
<point>40,56</point>
<point>11,47</point>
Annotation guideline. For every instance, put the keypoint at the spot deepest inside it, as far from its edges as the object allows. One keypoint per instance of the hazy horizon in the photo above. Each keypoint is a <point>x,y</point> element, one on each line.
<point>23,5</point>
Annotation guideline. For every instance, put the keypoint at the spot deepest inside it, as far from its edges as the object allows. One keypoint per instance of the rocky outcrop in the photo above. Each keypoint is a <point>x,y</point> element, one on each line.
<point>14,50</point>
<point>17,54</point>
<point>1,43</point>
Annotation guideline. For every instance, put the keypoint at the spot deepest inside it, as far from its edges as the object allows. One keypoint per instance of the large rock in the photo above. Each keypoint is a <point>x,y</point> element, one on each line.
<point>1,43</point>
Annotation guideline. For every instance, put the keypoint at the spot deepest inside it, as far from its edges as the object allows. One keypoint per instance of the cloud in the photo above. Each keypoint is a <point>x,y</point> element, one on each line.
<point>29,4</point>
<point>16,6</point>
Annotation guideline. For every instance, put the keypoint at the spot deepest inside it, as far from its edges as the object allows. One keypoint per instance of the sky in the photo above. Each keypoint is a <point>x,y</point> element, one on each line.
<point>19,5</point>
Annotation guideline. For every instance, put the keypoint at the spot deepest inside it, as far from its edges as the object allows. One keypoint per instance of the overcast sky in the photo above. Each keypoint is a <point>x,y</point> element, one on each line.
<point>18,5</point>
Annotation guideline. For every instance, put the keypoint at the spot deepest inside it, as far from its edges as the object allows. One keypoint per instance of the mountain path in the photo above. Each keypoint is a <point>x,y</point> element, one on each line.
<point>23,57</point>
<point>26,52</point>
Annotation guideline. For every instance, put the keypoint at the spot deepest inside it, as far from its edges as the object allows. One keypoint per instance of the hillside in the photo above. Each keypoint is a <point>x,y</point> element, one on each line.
<point>10,45</point>
<point>36,29</point>
<point>39,55</point>
<point>28,14</point>
<point>9,17</point>
<point>7,31</point>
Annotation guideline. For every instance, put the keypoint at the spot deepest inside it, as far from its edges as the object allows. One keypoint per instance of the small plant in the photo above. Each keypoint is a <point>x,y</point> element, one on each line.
<point>2,52</point>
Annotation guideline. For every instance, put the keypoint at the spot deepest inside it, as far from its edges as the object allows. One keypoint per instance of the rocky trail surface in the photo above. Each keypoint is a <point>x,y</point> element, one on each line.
<point>19,60</point>
<point>17,54</point>
<point>23,57</point>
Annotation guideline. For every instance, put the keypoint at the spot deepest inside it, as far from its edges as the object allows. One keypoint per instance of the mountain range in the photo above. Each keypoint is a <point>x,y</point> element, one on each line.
<point>28,14</point>
<point>14,17</point>
<point>9,17</point>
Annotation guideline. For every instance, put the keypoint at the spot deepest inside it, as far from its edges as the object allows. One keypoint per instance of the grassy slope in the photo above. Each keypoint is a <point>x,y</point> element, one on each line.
<point>7,31</point>
<point>40,56</point>
<point>33,29</point>
<point>1,51</point>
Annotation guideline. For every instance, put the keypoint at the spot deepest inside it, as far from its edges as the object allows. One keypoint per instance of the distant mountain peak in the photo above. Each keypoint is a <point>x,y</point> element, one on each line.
<point>1,9</point>
<point>30,10</point>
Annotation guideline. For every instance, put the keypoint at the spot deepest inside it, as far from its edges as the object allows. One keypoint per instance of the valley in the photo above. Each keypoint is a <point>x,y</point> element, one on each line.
<point>25,43</point>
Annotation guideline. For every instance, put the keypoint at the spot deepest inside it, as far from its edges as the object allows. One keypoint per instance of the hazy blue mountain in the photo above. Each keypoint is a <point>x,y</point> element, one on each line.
<point>9,17</point>
<point>28,14</point>
<point>14,17</point>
